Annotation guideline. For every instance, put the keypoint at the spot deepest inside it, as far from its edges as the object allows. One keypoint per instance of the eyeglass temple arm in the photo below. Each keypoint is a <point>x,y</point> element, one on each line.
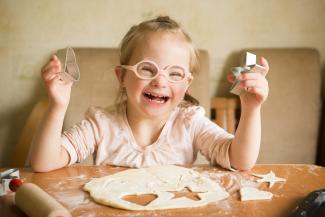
<point>132,68</point>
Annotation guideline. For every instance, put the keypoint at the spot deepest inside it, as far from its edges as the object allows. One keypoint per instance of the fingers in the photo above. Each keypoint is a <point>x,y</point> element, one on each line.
<point>51,69</point>
<point>265,64</point>
<point>252,74</point>
<point>258,83</point>
<point>259,92</point>
<point>255,83</point>
<point>53,63</point>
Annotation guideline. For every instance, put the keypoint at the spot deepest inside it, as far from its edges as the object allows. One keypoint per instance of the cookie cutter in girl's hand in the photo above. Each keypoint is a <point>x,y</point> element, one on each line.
<point>69,67</point>
<point>249,66</point>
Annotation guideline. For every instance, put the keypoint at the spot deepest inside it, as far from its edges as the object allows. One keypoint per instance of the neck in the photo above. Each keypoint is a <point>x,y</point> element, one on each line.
<point>135,119</point>
<point>146,130</point>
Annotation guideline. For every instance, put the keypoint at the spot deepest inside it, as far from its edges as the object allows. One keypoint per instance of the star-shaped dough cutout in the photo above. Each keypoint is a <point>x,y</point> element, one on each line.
<point>269,177</point>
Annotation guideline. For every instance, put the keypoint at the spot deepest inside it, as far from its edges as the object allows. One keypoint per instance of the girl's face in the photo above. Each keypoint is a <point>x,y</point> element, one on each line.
<point>157,97</point>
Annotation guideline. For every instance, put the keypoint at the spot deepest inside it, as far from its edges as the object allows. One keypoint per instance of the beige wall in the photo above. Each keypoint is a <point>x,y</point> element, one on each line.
<point>31,30</point>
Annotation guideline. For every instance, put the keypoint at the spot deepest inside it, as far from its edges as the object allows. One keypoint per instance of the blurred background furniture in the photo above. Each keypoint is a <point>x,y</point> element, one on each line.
<point>320,159</point>
<point>224,112</point>
<point>291,114</point>
<point>22,149</point>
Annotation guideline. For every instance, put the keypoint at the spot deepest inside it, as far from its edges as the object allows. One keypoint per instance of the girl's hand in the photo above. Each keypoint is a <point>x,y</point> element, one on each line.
<point>255,85</point>
<point>58,90</point>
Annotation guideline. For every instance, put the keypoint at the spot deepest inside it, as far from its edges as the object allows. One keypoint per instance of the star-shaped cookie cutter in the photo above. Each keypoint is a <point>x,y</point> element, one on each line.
<point>248,66</point>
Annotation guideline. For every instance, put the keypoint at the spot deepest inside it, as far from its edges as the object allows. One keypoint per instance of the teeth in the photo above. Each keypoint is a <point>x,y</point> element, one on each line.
<point>157,98</point>
<point>155,95</point>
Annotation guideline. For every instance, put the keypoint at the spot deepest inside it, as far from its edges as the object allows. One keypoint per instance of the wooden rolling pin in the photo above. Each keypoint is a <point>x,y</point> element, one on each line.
<point>35,202</point>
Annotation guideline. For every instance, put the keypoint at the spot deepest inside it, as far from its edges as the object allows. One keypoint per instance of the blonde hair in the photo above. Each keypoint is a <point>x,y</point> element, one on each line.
<point>137,32</point>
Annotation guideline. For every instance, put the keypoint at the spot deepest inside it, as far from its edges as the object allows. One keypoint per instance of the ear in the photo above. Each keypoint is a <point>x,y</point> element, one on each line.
<point>189,81</point>
<point>119,74</point>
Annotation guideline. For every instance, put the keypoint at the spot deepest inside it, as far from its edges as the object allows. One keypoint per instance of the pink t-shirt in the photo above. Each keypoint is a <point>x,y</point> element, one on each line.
<point>107,134</point>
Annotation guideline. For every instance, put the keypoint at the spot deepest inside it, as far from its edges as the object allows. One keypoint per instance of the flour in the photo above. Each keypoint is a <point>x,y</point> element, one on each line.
<point>72,200</point>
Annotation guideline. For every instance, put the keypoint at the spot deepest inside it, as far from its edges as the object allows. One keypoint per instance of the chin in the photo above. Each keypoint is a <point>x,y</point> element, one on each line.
<point>154,113</point>
<point>158,111</point>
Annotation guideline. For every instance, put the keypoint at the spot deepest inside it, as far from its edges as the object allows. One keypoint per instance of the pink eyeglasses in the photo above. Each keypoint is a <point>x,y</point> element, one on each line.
<point>149,70</point>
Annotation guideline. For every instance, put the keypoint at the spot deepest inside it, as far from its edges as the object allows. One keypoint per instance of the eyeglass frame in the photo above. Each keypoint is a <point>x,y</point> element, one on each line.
<point>134,68</point>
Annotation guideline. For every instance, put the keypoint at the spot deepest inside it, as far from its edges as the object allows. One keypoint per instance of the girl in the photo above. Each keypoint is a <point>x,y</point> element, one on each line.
<point>155,121</point>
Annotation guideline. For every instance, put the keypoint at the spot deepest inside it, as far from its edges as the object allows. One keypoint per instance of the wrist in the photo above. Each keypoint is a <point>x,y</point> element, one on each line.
<point>57,107</point>
<point>250,109</point>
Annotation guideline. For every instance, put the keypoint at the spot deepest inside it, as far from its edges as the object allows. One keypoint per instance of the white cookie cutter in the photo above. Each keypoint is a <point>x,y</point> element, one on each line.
<point>249,66</point>
<point>70,70</point>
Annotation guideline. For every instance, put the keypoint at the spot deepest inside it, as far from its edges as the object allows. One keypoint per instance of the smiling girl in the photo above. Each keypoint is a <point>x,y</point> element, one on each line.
<point>155,121</point>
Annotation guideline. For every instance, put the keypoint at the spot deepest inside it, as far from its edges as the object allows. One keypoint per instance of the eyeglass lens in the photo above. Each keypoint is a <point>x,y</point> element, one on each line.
<point>148,70</point>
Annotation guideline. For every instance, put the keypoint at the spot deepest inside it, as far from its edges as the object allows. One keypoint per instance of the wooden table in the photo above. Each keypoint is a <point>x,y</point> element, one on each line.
<point>65,185</point>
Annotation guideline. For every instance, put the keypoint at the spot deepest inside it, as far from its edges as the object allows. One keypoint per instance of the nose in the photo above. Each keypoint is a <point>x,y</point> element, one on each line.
<point>160,81</point>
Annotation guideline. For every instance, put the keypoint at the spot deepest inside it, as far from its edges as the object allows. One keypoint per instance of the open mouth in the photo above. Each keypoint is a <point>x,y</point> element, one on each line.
<point>155,97</point>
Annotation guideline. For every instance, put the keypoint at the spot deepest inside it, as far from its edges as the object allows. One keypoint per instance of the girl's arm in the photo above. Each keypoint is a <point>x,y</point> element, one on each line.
<point>246,144</point>
<point>47,153</point>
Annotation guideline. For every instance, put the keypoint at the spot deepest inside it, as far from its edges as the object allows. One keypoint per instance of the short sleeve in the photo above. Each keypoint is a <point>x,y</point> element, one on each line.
<point>82,139</point>
<point>211,140</point>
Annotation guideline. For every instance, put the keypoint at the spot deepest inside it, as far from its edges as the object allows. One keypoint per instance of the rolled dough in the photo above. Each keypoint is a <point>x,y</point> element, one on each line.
<point>251,193</point>
<point>160,181</point>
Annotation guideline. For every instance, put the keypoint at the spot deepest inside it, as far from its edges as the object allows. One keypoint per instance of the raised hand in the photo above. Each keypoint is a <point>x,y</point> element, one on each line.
<point>59,90</point>
<point>255,85</point>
